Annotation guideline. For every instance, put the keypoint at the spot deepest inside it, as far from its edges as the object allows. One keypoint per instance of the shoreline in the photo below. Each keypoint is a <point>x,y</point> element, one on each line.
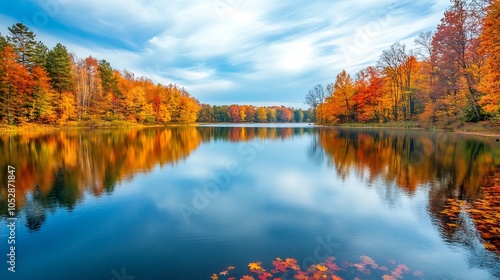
<point>468,130</point>
<point>41,128</point>
<point>120,125</point>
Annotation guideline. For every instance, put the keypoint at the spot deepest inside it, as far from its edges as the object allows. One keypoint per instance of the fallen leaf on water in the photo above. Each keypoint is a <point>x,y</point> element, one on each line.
<point>321,267</point>
<point>254,266</point>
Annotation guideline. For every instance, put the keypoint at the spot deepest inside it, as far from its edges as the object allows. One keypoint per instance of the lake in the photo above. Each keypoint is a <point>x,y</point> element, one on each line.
<point>187,202</point>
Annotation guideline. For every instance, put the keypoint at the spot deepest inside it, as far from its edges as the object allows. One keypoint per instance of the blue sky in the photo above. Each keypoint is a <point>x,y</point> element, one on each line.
<point>229,51</point>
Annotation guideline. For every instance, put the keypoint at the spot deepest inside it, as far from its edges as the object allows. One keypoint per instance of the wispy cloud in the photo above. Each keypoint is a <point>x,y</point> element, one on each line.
<point>231,51</point>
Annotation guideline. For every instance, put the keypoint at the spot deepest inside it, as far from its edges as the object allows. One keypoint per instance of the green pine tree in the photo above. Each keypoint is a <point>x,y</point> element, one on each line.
<point>59,68</point>
<point>40,54</point>
<point>108,78</point>
<point>23,41</point>
<point>3,42</point>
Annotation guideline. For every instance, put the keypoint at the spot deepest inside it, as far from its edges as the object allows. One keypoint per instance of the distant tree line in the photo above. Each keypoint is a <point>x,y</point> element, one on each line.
<point>252,114</point>
<point>453,74</point>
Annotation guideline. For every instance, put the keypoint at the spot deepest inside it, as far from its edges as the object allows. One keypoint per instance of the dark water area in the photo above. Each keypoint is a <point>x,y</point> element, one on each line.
<point>186,202</point>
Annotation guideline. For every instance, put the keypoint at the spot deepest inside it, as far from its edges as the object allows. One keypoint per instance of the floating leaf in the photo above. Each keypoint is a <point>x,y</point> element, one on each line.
<point>255,266</point>
<point>321,267</point>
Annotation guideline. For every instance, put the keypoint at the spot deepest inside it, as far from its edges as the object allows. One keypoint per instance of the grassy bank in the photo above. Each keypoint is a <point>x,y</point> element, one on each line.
<point>80,125</point>
<point>486,128</point>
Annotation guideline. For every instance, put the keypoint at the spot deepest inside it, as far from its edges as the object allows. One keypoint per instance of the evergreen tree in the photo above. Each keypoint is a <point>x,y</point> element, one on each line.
<point>40,54</point>
<point>23,42</point>
<point>108,78</point>
<point>298,115</point>
<point>3,42</point>
<point>59,68</point>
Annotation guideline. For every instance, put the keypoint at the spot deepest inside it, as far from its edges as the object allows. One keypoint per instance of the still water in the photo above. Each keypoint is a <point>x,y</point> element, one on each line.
<point>186,202</point>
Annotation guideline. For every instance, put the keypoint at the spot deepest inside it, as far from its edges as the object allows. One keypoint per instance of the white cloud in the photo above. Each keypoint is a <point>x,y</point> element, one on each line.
<point>230,49</point>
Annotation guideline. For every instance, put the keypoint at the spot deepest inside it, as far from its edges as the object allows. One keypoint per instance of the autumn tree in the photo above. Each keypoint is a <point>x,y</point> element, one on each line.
<point>188,108</point>
<point>15,85</point>
<point>284,114</point>
<point>261,115</point>
<point>41,108</point>
<point>368,96</point>
<point>234,113</point>
<point>271,115</point>
<point>340,104</point>
<point>87,85</point>
<point>399,67</point>
<point>490,42</point>
<point>458,59</point>
<point>250,113</point>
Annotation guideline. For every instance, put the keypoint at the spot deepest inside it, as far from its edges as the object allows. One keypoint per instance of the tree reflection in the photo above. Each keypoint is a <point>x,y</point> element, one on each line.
<point>56,169</point>
<point>449,165</point>
<point>411,158</point>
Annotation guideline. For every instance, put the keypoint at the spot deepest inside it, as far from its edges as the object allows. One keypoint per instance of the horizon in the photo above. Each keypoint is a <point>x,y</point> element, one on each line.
<point>227,52</point>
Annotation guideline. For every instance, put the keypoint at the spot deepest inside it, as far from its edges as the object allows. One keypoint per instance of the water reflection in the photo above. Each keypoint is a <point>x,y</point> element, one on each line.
<point>56,169</point>
<point>447,165</point>
<point>455,164</point>
<point>284,208</point>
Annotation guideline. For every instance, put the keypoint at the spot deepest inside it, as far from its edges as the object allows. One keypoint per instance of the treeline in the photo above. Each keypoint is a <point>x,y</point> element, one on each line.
<point>252,114</point>
<point>452,74</point>
<point>51,86</point>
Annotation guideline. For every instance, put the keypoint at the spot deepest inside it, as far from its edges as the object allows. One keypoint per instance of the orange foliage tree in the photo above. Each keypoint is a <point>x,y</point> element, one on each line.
<point>490,47</point>
<point>68,88</point>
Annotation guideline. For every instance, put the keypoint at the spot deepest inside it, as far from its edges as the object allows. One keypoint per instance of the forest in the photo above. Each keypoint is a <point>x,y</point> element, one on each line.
<point>39,85</point>
<point>252,114</point>
<point>452,75</point>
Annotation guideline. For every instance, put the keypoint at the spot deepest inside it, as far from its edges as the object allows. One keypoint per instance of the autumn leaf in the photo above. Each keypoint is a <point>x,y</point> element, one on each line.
<point>333,266</point>
<point>225,272</point>
<point>265,275</point>
<point>321,268</point>
<point>254,266</point>
<point>214,277</point>
<point>247,277</point>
